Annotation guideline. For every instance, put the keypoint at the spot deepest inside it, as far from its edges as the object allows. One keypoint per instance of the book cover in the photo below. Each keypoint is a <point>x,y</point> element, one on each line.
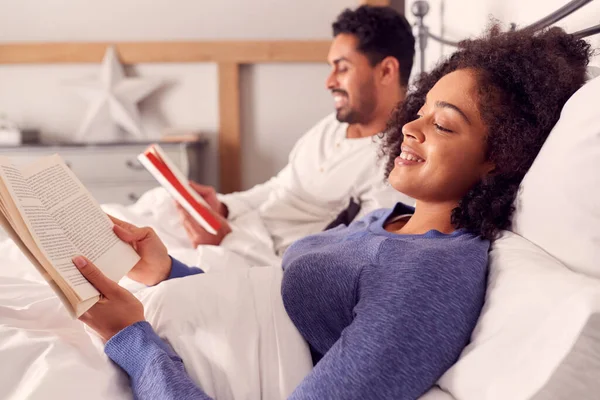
<point>168,175</point>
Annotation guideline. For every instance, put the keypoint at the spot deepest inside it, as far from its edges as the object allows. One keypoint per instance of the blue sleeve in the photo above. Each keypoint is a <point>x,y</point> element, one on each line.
<point>399,344</point>
<point>154,369</point>
<point>179,269</point>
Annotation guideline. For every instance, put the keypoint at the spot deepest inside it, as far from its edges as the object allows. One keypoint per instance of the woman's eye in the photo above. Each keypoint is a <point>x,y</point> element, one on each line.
<point>441,128</point>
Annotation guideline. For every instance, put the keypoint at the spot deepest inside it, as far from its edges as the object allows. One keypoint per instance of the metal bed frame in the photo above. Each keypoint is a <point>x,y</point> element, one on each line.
<point>420,9</point>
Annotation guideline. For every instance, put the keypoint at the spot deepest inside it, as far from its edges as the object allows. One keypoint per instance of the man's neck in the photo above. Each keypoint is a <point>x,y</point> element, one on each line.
<point>378,122</point>
<point>357,131</point>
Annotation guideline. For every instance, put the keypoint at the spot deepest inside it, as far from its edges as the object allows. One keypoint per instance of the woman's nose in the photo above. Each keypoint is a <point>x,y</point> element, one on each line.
<point>413,131</point>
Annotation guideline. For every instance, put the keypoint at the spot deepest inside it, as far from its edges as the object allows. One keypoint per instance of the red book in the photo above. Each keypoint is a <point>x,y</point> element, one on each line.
<point>169,176</point>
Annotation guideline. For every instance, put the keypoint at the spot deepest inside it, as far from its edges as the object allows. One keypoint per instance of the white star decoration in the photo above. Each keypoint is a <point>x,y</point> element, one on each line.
<point>113,102</point>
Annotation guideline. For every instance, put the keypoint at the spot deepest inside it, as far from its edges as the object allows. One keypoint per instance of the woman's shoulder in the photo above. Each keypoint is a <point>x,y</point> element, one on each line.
<point>460,251</point>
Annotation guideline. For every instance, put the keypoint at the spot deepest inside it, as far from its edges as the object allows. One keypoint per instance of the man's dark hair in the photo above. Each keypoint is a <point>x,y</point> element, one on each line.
<point>381,33</point>
<point>524,80</point>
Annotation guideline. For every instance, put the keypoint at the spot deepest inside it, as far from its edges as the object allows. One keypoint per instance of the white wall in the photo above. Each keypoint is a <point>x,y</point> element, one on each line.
<point>279,102</point>
<point>459,19</point>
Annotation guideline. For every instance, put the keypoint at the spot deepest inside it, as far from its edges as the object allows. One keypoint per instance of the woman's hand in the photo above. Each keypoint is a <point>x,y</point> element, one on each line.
<point>117,307</point>
<point>155,265</point>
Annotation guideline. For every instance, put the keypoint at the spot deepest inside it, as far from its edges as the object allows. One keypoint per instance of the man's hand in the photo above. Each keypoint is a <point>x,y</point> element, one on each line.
<point>117,307</point>
<point>197,234</point>
<point>155,265</point>
<point>209,194</point>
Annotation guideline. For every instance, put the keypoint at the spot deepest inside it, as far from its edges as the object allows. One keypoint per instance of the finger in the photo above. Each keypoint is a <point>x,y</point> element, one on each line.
<point>90,272</point>
<point>193,235</point>
<point>202,189</point>
<point>86,317</point>
<point>133,233</point>
<point>183,213</point>
<point>121,223</point>
<point>192,226</point>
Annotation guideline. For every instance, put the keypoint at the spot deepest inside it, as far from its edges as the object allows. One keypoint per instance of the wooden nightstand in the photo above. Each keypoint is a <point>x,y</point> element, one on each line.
<point>111,172</point>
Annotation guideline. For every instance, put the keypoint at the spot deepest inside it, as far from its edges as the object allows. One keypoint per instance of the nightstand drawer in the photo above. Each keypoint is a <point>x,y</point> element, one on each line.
<point>116,164</point>
<point>107,164</point>
<point>121,194</point>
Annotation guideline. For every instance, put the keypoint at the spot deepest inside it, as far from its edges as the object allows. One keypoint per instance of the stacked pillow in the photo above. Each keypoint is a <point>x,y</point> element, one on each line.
<point>539,333</point>
<point>558,207</point>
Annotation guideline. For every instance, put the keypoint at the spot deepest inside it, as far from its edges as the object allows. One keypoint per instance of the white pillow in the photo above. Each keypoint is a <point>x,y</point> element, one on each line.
<point>539,333</point>
<point>592,72</point>
<point>558,206</point>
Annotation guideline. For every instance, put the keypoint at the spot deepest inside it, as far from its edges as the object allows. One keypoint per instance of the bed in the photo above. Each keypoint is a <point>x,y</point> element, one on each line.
<point>539,329</point>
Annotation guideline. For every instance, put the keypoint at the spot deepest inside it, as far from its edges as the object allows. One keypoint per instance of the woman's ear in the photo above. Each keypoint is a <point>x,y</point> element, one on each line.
<point>488,168</point>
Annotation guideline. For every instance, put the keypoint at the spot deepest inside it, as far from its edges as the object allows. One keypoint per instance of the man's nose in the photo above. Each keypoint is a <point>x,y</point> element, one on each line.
<point>331,82</point>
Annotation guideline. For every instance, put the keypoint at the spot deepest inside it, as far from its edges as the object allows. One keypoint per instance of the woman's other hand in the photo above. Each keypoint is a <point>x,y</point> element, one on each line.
<point>117,307</point>
<point>155,264</point>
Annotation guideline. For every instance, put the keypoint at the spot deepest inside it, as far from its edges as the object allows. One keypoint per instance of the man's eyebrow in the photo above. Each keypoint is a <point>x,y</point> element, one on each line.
<point>444,104</point>
<point>340,59</point>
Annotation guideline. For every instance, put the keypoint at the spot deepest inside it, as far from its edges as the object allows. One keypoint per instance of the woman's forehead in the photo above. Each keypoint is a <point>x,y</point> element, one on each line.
<point>459,88</point>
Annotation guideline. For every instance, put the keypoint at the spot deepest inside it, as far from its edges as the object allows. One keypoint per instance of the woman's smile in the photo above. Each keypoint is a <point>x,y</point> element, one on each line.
<point>409,157</point>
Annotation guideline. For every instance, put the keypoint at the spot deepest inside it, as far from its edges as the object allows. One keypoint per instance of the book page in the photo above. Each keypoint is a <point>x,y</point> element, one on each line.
<point>47,234</point>
<point>31,257</point>
<point>74,209</point>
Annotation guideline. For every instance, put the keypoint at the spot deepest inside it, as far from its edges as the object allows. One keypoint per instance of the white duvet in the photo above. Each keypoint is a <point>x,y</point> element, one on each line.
<point>229,325</point>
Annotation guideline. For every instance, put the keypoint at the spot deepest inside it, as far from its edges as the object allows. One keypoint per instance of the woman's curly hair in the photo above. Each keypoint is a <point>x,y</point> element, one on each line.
<point>524,80</point>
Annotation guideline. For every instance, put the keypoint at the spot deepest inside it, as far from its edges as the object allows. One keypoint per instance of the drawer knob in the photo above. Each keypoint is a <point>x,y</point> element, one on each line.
<point>133,197</point>
<point>134,165</point>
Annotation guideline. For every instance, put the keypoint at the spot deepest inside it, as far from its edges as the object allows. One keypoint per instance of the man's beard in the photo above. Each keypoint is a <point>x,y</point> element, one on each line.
<point>362,109</point>
<point>347,115</point>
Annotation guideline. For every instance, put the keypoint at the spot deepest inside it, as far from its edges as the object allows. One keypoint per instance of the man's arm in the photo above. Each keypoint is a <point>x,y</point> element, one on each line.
<point>239,203</point>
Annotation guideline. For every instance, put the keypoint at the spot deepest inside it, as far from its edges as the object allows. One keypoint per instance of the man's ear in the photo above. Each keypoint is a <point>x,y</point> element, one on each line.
<point>389,70</point>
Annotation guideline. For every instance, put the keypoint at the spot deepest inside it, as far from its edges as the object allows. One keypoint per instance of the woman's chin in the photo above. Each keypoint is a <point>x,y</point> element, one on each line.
<point>400,183</point>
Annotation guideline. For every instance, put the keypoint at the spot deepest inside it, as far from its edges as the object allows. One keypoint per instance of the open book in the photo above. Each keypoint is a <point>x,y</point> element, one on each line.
<point>52,218</point>
<point>168,175</point>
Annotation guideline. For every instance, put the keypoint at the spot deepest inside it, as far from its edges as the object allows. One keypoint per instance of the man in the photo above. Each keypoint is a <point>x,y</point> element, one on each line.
<point>333,174</point>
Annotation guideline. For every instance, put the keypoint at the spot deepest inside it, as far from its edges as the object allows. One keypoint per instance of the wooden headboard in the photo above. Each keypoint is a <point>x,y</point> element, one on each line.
<point>228,55</point>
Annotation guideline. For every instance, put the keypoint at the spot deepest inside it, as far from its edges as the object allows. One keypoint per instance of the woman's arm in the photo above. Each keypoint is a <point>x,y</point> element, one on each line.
<point>404,336</point>
<point>179,270</point>
<point>155,370</point>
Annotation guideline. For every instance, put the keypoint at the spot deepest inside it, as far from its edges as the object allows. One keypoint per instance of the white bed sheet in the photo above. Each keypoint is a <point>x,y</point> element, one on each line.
<point>46,355</point>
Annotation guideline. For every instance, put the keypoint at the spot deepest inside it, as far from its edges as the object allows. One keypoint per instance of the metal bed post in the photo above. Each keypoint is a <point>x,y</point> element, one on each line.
<point>420,9</point>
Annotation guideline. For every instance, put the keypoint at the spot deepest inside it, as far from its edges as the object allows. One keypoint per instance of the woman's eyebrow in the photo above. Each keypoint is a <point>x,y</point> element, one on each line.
<point>444,104</point>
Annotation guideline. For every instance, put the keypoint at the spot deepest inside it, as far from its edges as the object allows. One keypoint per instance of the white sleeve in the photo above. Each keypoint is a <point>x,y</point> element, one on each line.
<point>240,203</point>
<point>381,195</point>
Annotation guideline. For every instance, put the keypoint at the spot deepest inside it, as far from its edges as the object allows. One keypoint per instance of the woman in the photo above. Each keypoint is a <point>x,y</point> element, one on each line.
<point>388,303</point>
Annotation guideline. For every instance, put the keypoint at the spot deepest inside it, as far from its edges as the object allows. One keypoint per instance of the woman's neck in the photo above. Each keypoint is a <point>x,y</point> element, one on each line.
<point>427,216</point>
